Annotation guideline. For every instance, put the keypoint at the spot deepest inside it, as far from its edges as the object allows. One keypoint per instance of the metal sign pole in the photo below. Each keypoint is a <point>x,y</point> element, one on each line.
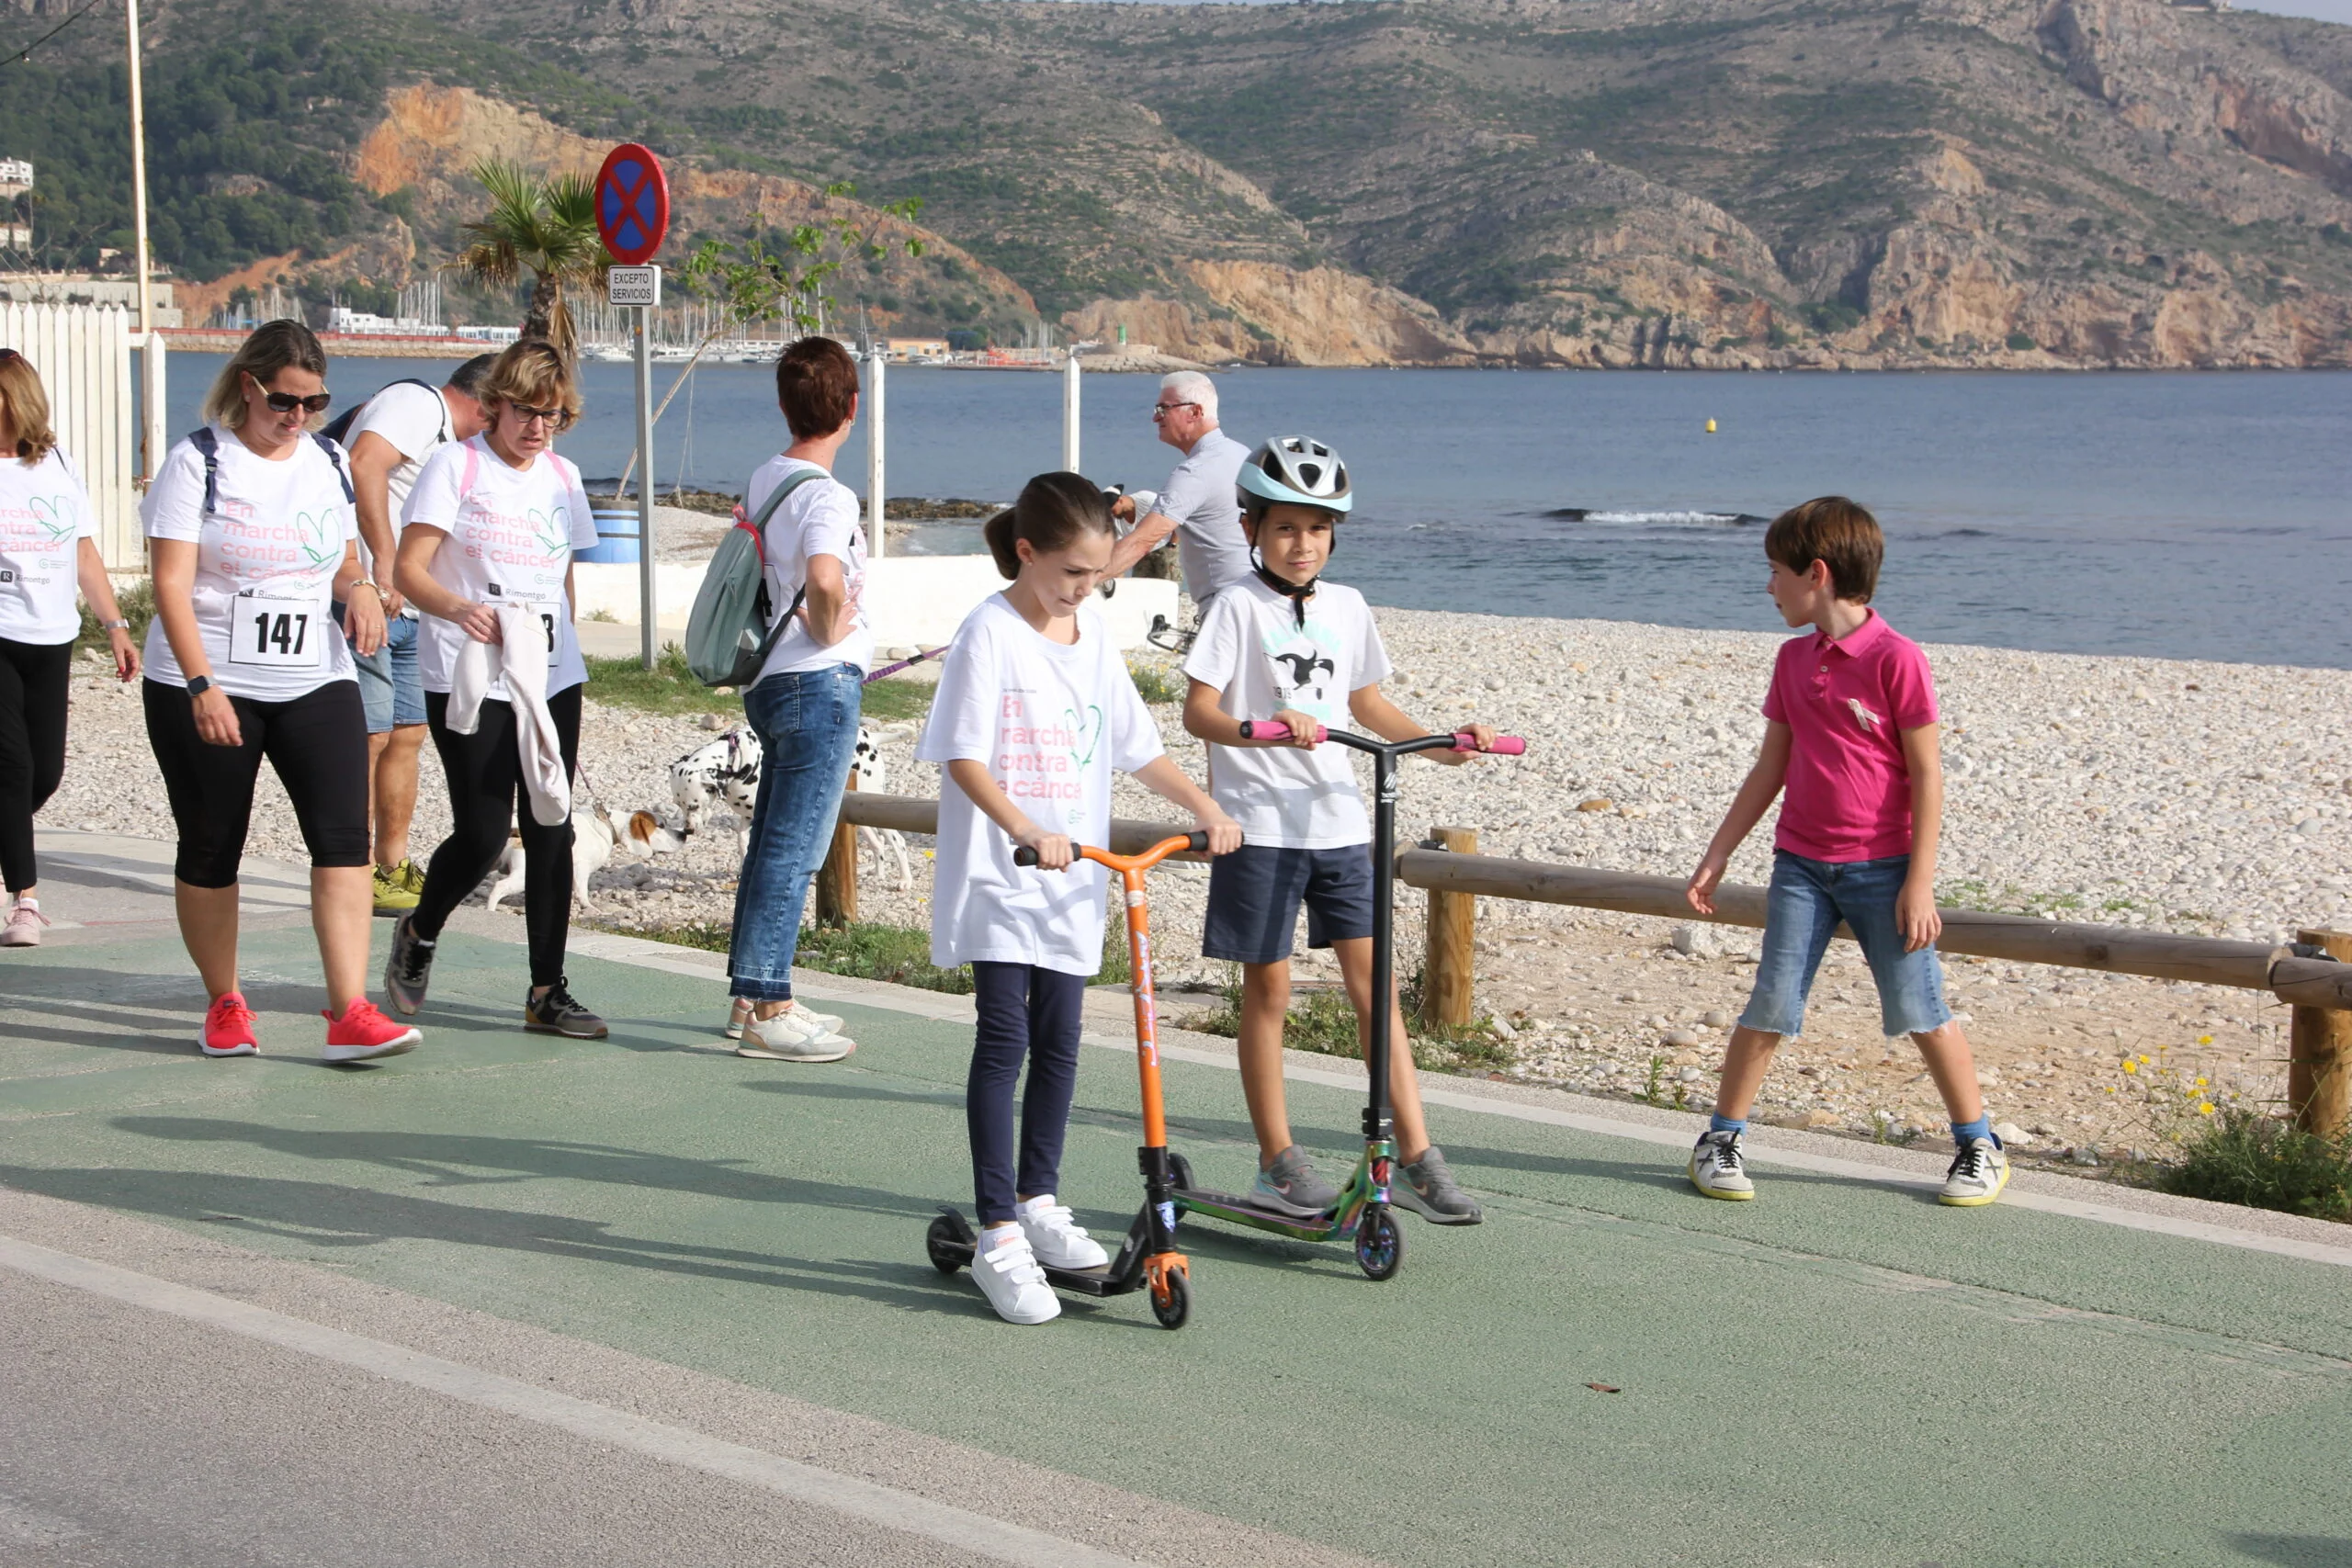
<point>648,634</point>
<point>1070,414</point>
<point>878,360</point>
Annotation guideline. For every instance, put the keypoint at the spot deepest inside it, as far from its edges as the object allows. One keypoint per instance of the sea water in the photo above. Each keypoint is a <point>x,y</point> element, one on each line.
<point>2202,516</point>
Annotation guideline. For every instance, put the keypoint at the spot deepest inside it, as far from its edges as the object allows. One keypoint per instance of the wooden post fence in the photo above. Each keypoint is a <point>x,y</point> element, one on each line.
<point>1450,960</point>
<point>837,878</point>
<point>2318,1057</point>
<point>2314,976</point>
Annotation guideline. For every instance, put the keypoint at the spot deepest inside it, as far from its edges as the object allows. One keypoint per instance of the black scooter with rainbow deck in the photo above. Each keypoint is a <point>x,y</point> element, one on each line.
<point>1363,1214</point>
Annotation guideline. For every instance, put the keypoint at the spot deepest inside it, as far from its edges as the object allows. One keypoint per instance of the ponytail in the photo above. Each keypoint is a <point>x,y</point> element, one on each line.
<point>1054,511</point>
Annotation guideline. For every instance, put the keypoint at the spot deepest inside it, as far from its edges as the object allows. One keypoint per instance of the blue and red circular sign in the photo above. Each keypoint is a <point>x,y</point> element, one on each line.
<point>632,204</point>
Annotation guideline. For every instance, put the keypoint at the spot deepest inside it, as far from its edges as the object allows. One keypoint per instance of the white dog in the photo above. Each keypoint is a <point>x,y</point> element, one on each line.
<point>727,772</point>
<point>592,843</point>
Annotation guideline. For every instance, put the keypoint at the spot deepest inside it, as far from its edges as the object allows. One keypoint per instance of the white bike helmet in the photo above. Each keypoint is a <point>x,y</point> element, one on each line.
<point>1299,469</point>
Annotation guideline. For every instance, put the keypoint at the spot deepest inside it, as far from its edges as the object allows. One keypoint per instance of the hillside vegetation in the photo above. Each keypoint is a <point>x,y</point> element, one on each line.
<point>1577,182</point>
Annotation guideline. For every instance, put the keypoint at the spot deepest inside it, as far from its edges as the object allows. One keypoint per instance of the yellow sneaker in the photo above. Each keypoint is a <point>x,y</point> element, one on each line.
<point>394,895</point>
<point>410,875</point>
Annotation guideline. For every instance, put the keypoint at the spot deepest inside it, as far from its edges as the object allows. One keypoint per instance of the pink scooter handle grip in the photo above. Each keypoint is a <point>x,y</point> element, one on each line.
<point>1274,729</point>
<point>1504,745</point>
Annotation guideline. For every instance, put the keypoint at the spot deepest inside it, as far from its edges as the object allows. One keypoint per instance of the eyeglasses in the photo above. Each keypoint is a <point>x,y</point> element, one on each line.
<point>287,403</point>
<point>554,419</point>
<point>1161,411</point>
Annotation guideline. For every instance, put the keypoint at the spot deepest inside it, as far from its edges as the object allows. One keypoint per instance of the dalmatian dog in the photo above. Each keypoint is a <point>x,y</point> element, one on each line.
<point>726,773</point>
<point>865,764</point>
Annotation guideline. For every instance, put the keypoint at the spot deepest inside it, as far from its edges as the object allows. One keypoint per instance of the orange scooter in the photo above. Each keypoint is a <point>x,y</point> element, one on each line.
<point>1148,1256</point>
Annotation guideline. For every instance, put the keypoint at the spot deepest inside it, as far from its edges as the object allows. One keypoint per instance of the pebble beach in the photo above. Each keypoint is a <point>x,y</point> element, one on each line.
<point>2194,798</point>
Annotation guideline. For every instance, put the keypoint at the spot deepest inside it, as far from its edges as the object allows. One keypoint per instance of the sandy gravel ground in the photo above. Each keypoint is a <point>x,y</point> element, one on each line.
<point>2195,797</point>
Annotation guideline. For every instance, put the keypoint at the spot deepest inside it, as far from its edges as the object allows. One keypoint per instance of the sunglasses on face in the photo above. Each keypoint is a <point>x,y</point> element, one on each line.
<point>1161,411</point>
<point>287,403</point>
<point>554,419</point>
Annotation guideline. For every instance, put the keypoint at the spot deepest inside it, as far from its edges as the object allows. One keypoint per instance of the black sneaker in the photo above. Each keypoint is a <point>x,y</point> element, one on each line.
<point>557,1013</point>
<point>408,969</point>
<point>1430,1190</point>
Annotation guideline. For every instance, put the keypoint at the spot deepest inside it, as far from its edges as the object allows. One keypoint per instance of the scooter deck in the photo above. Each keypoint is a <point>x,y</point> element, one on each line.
<point>1240,1211</point>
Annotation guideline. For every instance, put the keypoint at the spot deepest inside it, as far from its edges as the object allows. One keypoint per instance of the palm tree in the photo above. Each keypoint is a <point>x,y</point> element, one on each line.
<point>546,227</point>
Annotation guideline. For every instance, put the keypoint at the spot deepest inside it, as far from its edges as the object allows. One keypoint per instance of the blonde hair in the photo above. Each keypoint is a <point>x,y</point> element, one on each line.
<point>27,407</point>
<point>271,347</point>
<point>534,374</point>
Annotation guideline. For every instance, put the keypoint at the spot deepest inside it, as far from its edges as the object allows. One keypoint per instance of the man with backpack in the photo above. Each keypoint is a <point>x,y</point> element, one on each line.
<point>389,438</point>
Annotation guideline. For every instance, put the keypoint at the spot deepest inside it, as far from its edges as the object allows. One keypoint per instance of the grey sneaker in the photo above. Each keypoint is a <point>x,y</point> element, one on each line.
<point>408,969</point>
<point>1977,1175</point>
<point>1430,1190</point>
<point>1290,1186</point>
<point>557,1013</point>
<point>1719,1167</point>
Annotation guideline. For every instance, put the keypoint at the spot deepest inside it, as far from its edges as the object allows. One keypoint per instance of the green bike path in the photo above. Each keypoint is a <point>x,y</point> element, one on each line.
<point>1842,1372</point>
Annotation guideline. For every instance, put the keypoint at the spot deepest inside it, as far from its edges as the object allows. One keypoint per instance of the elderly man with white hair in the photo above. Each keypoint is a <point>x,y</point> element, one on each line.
<point>1198,504</point>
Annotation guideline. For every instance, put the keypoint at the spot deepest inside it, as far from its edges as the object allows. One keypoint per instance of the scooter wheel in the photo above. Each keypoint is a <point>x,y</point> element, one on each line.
<point>1177,1305</point>
<point>1180,1171</point>
<point>939,1240</point>
<point>1380,1245</point>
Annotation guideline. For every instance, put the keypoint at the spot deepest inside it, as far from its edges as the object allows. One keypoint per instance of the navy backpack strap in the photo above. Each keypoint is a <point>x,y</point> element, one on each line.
<point>334,456</point>
<point>208,445</point>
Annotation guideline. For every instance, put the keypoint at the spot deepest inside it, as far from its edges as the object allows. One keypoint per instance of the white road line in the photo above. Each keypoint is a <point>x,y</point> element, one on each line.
<point>903,1511</point>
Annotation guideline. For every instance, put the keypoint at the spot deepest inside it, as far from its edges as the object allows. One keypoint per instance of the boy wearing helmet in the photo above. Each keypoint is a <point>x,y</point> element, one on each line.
<point>1284,645</point>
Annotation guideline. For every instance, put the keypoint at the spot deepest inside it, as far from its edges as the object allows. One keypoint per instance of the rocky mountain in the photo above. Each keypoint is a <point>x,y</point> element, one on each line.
<point>1735,183</point>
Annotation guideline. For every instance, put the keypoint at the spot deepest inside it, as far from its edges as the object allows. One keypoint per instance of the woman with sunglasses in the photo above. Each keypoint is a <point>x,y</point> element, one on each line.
<point>253,541</point>
<point>489,531</point>
<point>48,547</point>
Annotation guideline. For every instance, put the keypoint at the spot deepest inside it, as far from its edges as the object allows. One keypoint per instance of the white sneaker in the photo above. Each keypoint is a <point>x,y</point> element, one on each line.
<point>1977,1175</point>
<point>792,1035</point>
<point>1009,1278</point>
<point>738,1013</point>
<point>1719,1167</point>
<point>1057,1239</point>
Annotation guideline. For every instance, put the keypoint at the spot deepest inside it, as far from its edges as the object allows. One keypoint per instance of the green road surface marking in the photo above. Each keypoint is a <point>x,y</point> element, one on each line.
<point>1842,1372</point>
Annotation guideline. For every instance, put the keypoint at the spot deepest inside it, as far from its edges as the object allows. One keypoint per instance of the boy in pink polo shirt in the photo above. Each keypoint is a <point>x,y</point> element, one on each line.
<point>1851,734</point>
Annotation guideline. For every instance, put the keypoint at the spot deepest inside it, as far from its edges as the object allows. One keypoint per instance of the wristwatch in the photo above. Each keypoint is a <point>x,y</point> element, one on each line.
<point>198,684</point>
<point>114,625</point>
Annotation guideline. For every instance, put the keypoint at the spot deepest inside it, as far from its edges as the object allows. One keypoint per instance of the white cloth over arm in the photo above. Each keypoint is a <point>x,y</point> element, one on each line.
<point>520,661</point>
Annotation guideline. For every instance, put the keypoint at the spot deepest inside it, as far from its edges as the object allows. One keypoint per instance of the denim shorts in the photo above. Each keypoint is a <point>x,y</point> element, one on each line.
<point>1807,900</point>
<point>390,687</point>
<point>1255,892</point>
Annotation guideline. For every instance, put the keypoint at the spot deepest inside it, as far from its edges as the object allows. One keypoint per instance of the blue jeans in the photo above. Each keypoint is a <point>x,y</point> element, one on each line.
<point>390,688</point>
<point>1801,909</point>
<point>807,722</point>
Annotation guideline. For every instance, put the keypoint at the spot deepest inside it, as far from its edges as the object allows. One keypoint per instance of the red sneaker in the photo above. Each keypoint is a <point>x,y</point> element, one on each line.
<point>229,1028</point>
<point>363,1033</point>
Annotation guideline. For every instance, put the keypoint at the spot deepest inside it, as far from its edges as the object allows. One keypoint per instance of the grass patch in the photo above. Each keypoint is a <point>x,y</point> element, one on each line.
<point>1322,1022</point>
<point>2248,1158</point>
<point>1156,683</point>
<point>897,954</point>
<point>670,688</point>
<point>137,602</point>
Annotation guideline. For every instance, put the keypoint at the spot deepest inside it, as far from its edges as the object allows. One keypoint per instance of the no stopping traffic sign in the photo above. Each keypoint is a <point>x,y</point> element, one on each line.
<point>632,203</point>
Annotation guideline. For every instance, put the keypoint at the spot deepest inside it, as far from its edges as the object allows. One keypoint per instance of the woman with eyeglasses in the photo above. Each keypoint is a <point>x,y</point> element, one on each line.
<point>253,538</point>
<point>48,548</point>
<point>485,555</point>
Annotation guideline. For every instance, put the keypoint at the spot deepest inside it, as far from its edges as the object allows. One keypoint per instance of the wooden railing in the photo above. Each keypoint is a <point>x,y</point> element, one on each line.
<point>2310,975</point>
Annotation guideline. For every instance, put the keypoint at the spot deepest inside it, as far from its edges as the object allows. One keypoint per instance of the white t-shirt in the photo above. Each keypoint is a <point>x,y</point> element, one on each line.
<point>1252,648</point>
<point>817,519</point>
<point>416,421</point>
<point>512,532</point>
<point>44,516</point>
<point>266,557</point>
<point>1051,723</point>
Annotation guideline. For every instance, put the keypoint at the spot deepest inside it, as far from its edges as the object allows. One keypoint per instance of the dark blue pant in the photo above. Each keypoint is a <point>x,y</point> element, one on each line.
<point>1024,1012</point>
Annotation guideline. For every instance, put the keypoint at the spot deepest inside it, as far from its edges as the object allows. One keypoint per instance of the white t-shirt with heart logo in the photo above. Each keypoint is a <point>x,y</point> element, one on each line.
<point>44,516</point>
<point>512,533</point>
<point>267,555</point>
<point>1252,647</point>
<point>1051,723</point>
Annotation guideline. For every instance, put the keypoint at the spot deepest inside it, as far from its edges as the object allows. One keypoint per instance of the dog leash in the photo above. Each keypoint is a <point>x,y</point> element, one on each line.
<point>907,663</point>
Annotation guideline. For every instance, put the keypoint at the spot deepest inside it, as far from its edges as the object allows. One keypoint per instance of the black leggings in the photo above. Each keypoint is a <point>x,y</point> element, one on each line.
<point>318,744</point>
<point>32,747</point>
<point>1025,1011</point>
<point>485,773</point>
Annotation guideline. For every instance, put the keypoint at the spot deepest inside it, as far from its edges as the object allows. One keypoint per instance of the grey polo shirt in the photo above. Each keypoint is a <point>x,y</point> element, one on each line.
<point>1211,550</point>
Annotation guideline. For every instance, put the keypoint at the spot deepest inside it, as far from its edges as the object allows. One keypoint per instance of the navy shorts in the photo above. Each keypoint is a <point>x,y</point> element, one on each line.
<point>1255,892</point>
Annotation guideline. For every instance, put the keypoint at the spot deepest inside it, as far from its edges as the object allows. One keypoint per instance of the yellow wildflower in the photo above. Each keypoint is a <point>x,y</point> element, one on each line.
<point>2204,1108</point>
<point>2129,1065</point>
<point>2204,1039</point>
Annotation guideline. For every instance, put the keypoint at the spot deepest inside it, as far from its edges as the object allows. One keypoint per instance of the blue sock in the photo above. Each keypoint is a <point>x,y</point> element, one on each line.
<point>1961,1131</point>
<point>1719,1123</point>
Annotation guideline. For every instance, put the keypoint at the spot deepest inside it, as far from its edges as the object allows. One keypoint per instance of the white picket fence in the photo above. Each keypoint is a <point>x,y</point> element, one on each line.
<point>83,353</point>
